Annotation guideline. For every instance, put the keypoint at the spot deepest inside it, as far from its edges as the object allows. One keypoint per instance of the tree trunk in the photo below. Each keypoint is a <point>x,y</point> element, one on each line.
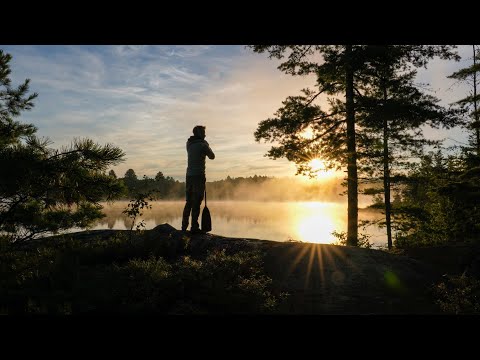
<point>386,175</point>
<point>352,231</point>
<point>477,129</point>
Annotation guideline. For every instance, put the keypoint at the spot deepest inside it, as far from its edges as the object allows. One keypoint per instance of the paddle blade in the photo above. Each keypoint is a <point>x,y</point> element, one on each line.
<point>206,220</point>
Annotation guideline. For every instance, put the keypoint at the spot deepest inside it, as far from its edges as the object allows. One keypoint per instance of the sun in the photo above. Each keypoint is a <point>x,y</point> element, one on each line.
<point>316,164</point>
<point>319,167</point>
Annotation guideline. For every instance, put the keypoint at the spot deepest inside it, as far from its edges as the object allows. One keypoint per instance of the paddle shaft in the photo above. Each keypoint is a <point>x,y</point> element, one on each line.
<point>205,192</point>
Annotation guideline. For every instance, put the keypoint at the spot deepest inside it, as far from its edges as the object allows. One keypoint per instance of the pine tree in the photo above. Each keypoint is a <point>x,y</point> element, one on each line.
<point>333,133</point>
<point>470,74</point>
<point>131,181</point>
<point>391,111</point>
<point>336,135</point>
<point>42,189</point>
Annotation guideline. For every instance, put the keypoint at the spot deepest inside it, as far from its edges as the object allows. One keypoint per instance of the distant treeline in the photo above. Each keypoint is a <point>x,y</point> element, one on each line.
<point>163,187</point>
<point>254,188</point>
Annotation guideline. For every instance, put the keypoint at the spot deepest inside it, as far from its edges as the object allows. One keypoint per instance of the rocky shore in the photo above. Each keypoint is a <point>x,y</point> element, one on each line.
<point>320,278</point>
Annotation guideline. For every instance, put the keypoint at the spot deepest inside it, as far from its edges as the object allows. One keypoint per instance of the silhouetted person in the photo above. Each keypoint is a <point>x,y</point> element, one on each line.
<point>197,149</point>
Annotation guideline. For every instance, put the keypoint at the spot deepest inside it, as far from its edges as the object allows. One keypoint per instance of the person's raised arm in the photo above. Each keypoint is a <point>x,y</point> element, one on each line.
<point>209,151</point>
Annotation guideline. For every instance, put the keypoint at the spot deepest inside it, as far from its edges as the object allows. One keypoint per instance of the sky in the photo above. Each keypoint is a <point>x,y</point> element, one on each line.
<point>147,99</point>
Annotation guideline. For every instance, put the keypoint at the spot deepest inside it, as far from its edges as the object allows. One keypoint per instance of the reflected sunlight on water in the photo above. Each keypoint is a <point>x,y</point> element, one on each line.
<point>279,221</point>
<point>314,222</point>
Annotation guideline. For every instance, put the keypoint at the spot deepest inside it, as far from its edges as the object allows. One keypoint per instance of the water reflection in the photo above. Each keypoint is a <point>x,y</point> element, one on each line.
<point>280,221</point>
<point>315,222</point>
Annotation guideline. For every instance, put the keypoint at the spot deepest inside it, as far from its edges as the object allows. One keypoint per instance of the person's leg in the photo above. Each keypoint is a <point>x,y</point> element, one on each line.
<point>186,214</point>
<point>197,198</point>
<point>188,203</point>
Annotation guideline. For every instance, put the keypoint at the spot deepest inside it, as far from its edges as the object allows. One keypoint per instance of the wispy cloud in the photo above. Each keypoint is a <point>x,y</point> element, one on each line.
<point>147,99</point>
<point>128,50</point>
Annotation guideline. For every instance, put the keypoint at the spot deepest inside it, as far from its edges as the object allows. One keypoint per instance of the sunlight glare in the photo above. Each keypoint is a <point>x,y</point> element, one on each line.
<point>319,167</point>
<point>316,223</point>
<point>317,164</point>
<point>307,133</point>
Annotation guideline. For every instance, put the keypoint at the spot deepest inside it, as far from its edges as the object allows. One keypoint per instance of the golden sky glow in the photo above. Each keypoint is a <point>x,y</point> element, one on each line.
<point>147,99</point>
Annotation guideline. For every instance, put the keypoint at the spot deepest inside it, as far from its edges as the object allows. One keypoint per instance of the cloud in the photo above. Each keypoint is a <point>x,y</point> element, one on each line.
<point>127,50</point>
<point>437,72</point>
<point>147,99</point>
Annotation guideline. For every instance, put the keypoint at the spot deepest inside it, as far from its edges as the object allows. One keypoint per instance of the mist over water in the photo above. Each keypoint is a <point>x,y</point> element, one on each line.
<point>277,189</point>
<point>308,221</point>
<point>277,209</point>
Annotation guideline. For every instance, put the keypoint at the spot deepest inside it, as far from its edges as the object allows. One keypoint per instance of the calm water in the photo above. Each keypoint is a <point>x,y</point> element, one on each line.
<point>279,221</point>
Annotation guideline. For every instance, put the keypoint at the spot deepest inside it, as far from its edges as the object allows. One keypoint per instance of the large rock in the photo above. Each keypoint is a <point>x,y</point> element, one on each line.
<point>321,279</point>
<point>330,279</point>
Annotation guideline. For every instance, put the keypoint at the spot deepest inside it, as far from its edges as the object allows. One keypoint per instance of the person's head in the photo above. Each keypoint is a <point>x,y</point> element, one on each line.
<point>199,131</point>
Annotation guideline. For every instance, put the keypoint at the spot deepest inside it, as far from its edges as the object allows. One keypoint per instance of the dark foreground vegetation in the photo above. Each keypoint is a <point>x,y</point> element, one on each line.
<point>165,271</point>
<point>114,273</point>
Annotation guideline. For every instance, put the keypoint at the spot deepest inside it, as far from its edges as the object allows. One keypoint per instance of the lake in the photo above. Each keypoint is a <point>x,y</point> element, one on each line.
<point>280,221</point>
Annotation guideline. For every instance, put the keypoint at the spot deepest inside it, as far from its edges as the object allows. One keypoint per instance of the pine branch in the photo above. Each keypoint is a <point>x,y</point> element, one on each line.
<point>329,130</point>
